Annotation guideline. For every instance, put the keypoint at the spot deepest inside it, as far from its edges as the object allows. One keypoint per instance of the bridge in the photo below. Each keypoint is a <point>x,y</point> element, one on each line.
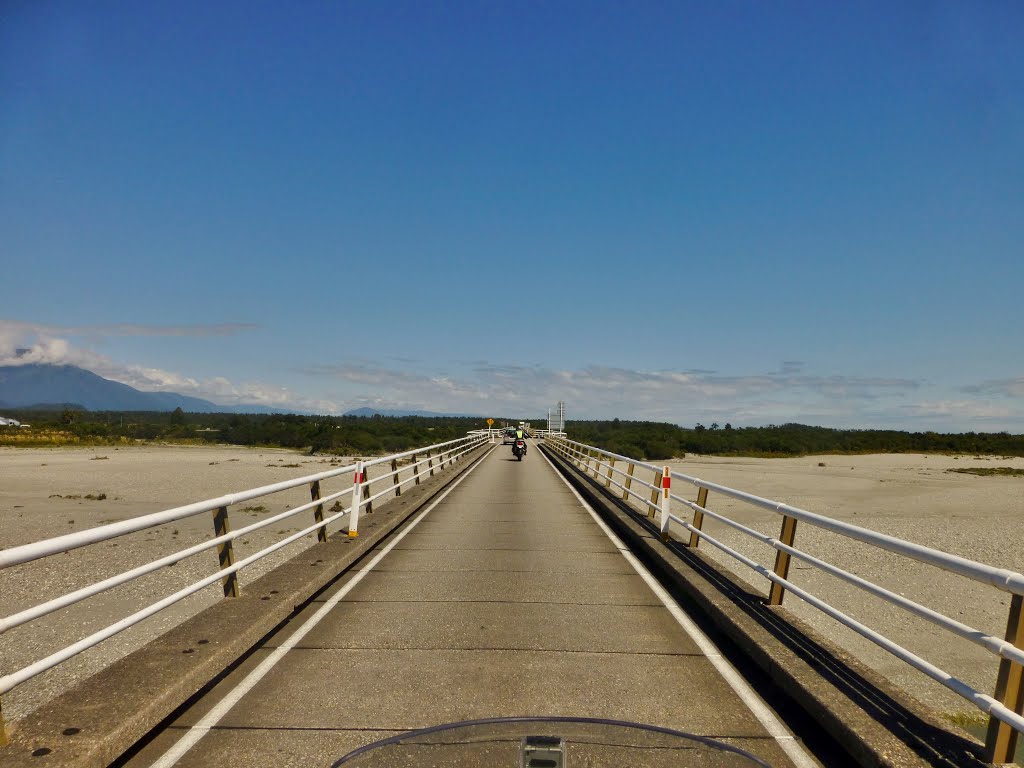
<point>453,583</point>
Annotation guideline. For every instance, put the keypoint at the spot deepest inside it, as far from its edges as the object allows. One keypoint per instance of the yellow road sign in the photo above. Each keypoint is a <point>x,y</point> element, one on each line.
<point>490,422</point>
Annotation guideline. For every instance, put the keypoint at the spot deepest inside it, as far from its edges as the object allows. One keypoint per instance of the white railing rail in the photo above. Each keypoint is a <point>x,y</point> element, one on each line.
<point>657,498</point>
<point>413,464</point>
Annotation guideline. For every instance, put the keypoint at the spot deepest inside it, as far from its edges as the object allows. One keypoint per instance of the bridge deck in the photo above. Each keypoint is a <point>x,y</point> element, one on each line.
<point>505,599</point>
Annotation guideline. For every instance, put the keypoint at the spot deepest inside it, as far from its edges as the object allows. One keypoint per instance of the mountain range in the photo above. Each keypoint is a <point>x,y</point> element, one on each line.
<point>38,386</point>
<point>397,413</point>
<point>34,385</point>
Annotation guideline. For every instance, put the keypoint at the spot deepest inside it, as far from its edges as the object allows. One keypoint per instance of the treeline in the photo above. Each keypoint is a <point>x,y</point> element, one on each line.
<point>654,440</point>
<point>342,435</point>
<point>359,435</point>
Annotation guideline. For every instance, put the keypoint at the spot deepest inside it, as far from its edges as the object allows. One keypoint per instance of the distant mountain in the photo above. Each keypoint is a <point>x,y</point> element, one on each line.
<point>35,386</point>
<point>400,413</point>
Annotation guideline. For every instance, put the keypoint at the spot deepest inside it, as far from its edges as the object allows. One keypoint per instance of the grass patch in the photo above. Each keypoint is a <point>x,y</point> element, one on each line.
<point>983,471</point>
<point>967,719</point>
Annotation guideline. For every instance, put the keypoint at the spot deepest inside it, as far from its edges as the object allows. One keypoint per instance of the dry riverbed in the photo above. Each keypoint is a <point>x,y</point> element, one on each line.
<point>47,492</point>
<point>920,498</point>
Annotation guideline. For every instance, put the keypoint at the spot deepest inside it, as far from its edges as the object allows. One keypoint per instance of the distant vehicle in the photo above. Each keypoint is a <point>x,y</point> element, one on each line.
<point>519,448</point>
<point>508,437</point>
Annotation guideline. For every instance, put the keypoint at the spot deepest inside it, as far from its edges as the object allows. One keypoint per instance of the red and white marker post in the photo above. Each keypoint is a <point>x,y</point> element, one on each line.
<point>357,499</point>
<point>666,488</point>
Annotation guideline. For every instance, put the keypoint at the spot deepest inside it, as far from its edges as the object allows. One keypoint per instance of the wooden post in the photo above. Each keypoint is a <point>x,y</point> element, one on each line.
<point>225,551</point>
<point>629,481</point>
<point>430,464</point>
<point>611,468</point>
<point>366,491</point>
<point>4,740</point>
<point>318,513</point>
<point>782,560</point>
<point>655,494</point>
<point>416,468</point>
<point>1001,742</point>
<point>698,517</point>
<point>394,477</point>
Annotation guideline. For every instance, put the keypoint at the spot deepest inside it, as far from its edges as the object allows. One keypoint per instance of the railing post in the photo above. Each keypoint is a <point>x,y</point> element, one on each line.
<point>629,481</point>
<point>1001,742</point>
<point>666,501</point>
<point>782,560</point>
<point>318,512</point>
<point>366,491</point>
<point>416,468</point>
<point>430,464</point>
<point>4,741</point>
<point>225,551</point>
<point>611,468</point>
<point>698,517</point>
<point>655,493</point>
<point>394,477</point>
<point>353,516</point>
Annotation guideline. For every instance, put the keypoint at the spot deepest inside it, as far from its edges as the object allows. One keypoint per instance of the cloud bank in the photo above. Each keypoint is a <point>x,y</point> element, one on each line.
<point>792,393</point>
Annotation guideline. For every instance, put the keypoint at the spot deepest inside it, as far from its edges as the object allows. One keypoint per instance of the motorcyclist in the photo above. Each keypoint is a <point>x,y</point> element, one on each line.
<point>521,435</point>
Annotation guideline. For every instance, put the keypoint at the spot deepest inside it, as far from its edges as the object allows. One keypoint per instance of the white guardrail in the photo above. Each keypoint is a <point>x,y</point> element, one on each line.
<point>421,461</point>
<point>1004,707</point>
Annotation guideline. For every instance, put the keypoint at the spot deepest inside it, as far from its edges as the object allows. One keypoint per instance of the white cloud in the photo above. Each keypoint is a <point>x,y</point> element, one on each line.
<point>791,393</point>
<point>1013,387</point>
<point>961,409</point>
<point>24,344</point>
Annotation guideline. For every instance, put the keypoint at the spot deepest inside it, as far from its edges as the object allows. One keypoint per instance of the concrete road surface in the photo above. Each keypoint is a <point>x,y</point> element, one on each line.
<point>505,598</point>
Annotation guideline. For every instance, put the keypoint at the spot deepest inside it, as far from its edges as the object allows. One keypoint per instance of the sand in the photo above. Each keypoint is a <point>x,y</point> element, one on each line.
<point>908,496</point>
<point>43,494</point>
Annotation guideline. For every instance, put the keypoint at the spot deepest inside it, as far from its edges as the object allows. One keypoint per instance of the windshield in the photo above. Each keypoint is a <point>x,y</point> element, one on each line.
<point>556,742</point>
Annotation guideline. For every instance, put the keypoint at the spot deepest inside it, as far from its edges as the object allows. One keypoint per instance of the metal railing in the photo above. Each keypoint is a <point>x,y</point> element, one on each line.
<point>1004,707</point>
<point>413,464</point>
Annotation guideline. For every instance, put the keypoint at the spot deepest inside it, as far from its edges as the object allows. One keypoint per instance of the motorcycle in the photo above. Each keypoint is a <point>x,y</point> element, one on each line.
<point>551,742</point>
<point>519,449</point>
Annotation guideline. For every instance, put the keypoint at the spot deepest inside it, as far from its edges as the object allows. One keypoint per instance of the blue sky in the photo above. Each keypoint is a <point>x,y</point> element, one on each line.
<point>735,211</point>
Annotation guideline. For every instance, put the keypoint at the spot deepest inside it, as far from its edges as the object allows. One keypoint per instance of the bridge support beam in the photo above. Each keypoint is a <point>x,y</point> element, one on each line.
<point>1001,742</point>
